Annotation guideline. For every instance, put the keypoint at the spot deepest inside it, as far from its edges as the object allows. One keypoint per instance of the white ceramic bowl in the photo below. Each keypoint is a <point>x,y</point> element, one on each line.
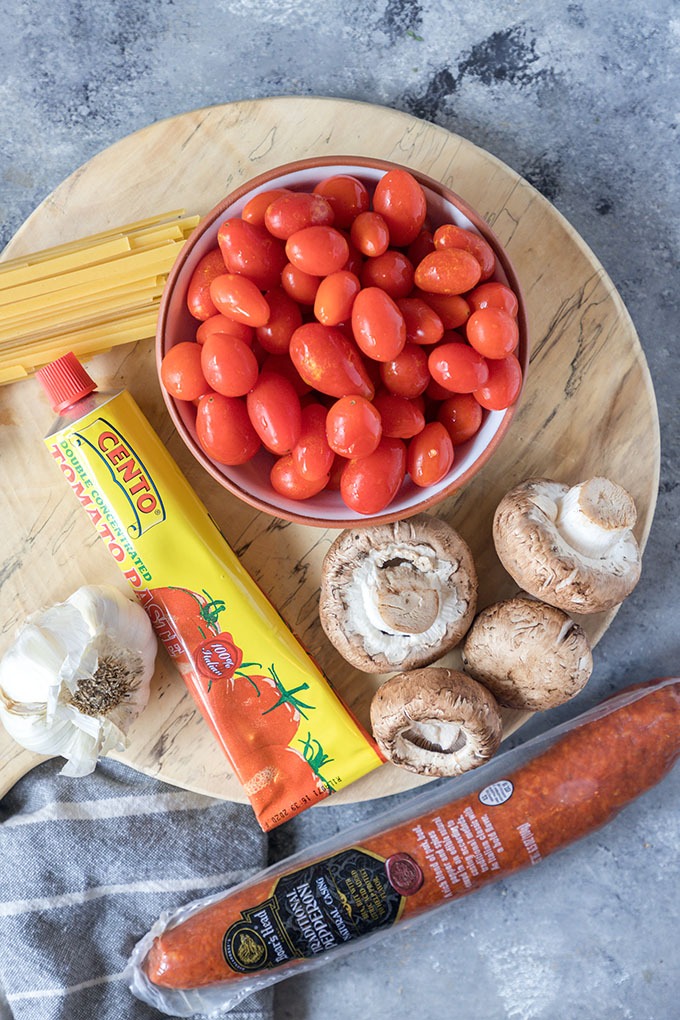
<point>250,481</point>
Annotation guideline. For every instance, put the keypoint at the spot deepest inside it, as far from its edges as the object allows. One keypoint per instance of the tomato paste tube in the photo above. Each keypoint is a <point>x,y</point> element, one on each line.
<point>289,738</point>
<point>508,814</point>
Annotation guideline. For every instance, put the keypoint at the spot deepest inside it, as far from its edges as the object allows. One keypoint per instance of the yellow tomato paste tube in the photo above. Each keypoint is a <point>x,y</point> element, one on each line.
<point>289,738</point>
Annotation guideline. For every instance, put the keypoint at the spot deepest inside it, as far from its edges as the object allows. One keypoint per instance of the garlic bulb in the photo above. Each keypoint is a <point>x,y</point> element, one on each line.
<point>77,676</point>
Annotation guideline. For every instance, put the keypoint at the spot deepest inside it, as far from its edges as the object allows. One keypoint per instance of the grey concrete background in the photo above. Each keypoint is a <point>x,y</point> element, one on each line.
<point>582,100</point>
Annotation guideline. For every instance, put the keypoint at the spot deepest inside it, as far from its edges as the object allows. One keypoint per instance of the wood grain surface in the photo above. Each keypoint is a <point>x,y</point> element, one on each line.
<point>588,406</point>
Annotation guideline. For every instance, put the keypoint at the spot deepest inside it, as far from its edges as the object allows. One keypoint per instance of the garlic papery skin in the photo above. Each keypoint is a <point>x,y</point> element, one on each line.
<point>77,676</point>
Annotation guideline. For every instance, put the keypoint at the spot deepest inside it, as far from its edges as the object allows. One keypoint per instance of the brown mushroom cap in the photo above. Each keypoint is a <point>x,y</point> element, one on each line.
<point>397,596</point>
<point>530,655</point>
<point>436,721</point>
<point>571,547</point>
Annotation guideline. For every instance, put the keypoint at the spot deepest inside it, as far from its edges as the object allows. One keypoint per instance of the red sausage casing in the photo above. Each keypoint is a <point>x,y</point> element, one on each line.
<point>508,815</point>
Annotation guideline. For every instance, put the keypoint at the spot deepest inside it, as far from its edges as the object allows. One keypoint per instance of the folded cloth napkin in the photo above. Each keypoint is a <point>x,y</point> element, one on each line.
<point>87,866</point>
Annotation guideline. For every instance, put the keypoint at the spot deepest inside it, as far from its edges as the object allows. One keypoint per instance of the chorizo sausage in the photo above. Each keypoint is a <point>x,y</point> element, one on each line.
<point>568,783</point>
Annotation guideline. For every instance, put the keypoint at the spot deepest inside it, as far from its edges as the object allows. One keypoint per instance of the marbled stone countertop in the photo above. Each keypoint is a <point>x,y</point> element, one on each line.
<point>582,100</point>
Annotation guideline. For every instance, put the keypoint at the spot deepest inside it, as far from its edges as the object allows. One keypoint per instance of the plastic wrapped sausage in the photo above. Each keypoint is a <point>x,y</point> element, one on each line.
<point>522,806</point>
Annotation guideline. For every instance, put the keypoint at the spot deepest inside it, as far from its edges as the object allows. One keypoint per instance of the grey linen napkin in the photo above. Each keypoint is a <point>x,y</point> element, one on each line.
<point>87,866</point>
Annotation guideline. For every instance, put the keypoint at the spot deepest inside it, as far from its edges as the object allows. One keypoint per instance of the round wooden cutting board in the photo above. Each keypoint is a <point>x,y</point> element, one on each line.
<point>588,407</point>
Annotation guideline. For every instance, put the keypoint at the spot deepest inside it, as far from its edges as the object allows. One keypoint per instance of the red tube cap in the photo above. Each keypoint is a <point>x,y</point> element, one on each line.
<point>65,382</point>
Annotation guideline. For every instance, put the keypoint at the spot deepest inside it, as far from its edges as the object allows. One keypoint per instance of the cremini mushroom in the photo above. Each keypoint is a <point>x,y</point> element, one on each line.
<point>436,721</point>
<point>399,595</point>
<point>572,547</point>
<point>528,654</point>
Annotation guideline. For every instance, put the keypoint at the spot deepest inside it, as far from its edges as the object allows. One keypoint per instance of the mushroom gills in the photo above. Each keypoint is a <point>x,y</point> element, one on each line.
<point>569,630</point>
<point>436,735</point>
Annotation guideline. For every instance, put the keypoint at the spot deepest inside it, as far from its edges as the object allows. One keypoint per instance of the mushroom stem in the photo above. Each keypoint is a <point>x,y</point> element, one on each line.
<point>593,516</point>
<point>407,611</point>
<point>434,735</point>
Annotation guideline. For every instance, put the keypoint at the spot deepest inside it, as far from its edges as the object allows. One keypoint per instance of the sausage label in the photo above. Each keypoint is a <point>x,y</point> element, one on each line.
<point>496,793</point>
<point>459,850</point>
<point>330,902</point>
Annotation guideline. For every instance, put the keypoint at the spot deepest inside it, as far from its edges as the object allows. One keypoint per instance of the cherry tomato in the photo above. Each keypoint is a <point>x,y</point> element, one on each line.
<point>229,365</point>
<point>372,367</point>
<point>502,386</point>
<point>448,271</point>
<point>181,372</point>
<point>401,418</point>
<point>312,455</point>
<point>347,195</point>
<point>252,252</point>
<point>422,246</point>
<point>328,361</point>
<point>452,309</point>
<point>392,272</point>
<point>275,412</point>
<point>458,368</point>
<point>355,261</point>
<point>199,302</point>
<point>452,336</point>
<point>302,287</point>
<point>377,324</point>
<point>430,455</point>
<point>239,298</point>
<point>295,211</point>
<point>222,324</point>
<point>408,374</point>
<point>493,294</point>
<point>452,236</point>
<point>224,429</point>
<point>400,200</point>
<point>423,325</point>
<point>461,415</point>
<point>339,465</point>
<point>369,484</point>
<point>284,318</point>
<point>318,251</point>
<point>260,352</point>
<point>287,480</point>
<point>256,207</point>
<point>493,332</point>
<point>369,234</point>
<point>281,364</point>
<point>353,427</point>
<point>436,392</point>
<point>335,297</point>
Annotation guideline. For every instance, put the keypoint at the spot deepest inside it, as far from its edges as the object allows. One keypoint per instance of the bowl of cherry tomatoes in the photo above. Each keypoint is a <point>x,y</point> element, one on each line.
<point>342,341</point>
